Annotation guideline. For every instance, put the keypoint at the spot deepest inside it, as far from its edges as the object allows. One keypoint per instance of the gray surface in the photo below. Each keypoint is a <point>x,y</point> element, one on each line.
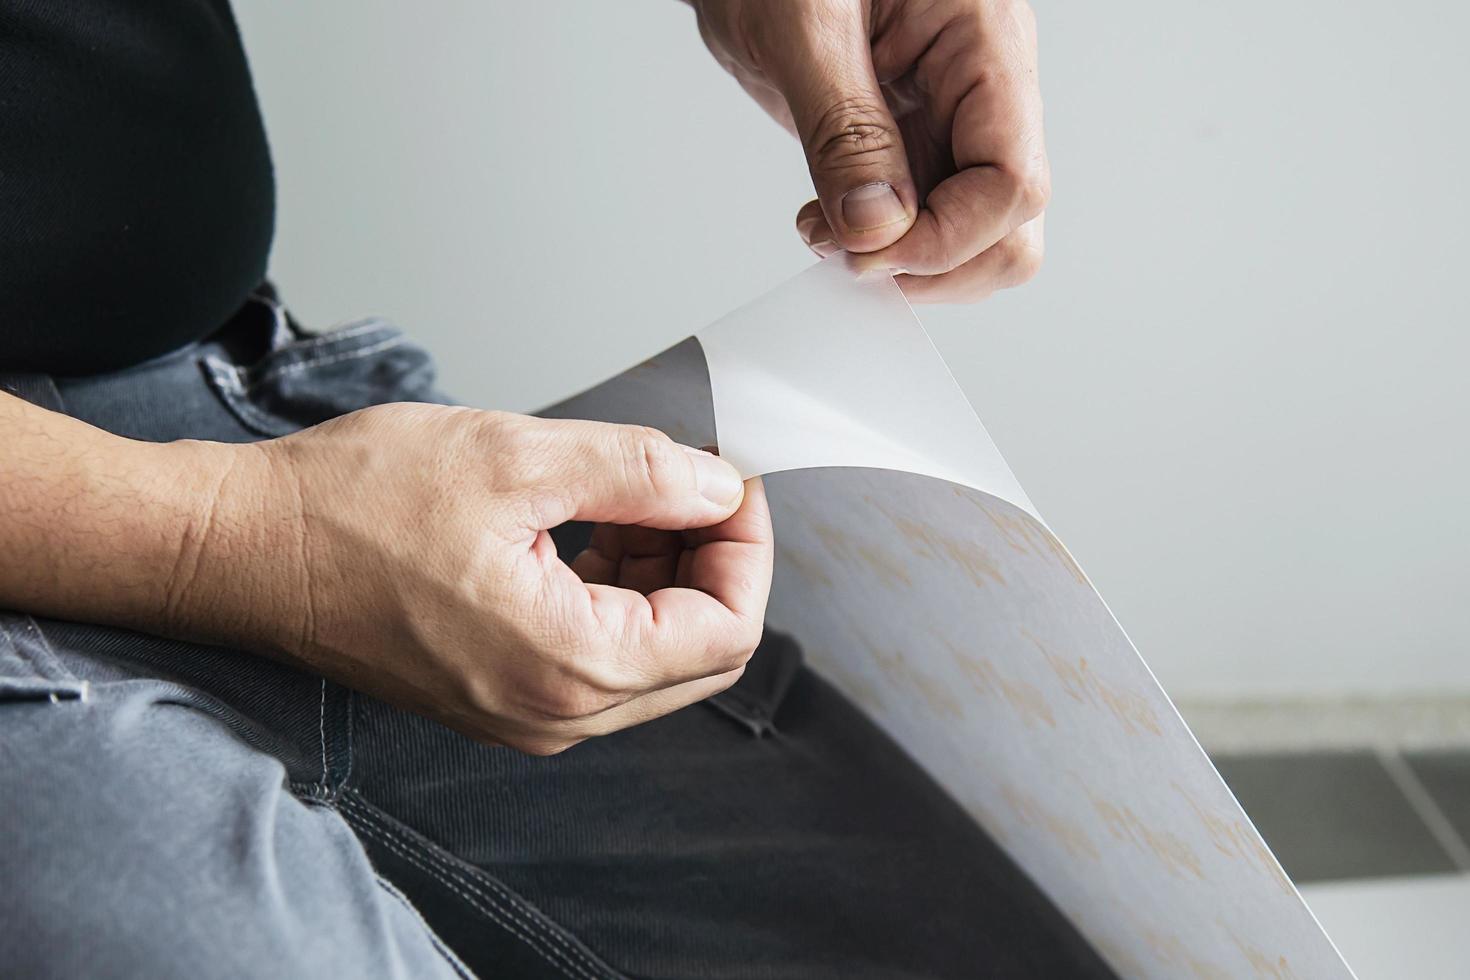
<point>1334,815</point>
<point>1427,723</point>
<point>1234,391</point>
<point>1446,777</point>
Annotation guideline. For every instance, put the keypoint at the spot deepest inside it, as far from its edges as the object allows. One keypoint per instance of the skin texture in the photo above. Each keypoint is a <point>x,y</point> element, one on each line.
<point>937,99</point>
<point>403,550</point>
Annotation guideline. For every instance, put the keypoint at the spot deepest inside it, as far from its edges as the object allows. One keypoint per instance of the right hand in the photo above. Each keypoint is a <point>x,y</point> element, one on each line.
<point>922,126</point>
<point>403,550</point>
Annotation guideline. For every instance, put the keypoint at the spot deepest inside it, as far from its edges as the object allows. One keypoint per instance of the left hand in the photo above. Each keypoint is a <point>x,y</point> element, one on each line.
<point>921,121</point>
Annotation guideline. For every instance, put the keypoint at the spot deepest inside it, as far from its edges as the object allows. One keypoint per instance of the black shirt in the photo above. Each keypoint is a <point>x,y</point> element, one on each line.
<point>136,193</point>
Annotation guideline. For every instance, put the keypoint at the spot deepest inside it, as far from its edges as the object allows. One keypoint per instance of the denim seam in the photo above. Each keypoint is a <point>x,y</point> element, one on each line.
<point>439,945</point>
<point>297,366</point>
<point>303,354</point>
<point>489,911</point>
<point>443,950</point>
<point>169,693</point>
<point>503,899</point>
<point>350,330</point>
<point>322,730</point>
<point>230,379</point>
<point>750,705</point>
<point>351,722</point>
<point>44,646</point>
<point>42,659</point>
<point>227,382</point>
<point>292,352</point>
<point>746,712</point>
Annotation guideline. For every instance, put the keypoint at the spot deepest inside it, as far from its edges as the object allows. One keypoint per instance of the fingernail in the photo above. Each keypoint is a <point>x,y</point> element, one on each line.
<point>823,248</point>
<point>872,206</point>
<point>878,273</point>
<point>872,265</point>
<point>717,480</point>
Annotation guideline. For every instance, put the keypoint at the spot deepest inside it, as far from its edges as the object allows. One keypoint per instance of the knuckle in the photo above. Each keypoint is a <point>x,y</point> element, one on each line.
<point>506,440</point>
<point>1022,261</point>
<point>972,293</point>
<point>754,631</point>
<point>730,678</point>
<point>971,285</point>
<point>743,643</point>
<point>1030,190</point>
<point>496,426</point>
<point>479,693</point>
<point>1035,196</point>
<point>940,250</point>
<point>851,133</point>
<point>543,746</point>
<point>652,461</point>
<point>565,700</point>
<point>968,290</point>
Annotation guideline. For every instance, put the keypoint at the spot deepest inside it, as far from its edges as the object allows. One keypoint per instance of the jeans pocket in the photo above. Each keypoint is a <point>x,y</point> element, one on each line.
<point>315,378</point>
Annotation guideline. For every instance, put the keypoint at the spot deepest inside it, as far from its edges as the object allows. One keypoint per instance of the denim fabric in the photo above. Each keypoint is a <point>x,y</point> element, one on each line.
<point>147,831</point>
<point>770,832</point>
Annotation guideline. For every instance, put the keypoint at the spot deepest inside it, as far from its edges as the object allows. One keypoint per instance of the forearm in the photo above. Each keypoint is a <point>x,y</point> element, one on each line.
<point>98,528</point>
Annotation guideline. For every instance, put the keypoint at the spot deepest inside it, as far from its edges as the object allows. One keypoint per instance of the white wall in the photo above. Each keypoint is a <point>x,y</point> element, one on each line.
<point>1236,390</point>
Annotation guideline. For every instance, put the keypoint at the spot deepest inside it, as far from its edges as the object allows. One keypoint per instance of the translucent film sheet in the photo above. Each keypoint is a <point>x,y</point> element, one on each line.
<point>920,580</point>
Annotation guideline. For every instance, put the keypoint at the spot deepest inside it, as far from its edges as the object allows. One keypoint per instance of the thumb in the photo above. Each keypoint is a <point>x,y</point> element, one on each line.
<point>619,474</point>
<point>853,145</point>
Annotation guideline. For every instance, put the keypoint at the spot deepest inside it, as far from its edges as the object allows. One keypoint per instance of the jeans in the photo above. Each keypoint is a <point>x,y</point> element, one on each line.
<point>171,809</point>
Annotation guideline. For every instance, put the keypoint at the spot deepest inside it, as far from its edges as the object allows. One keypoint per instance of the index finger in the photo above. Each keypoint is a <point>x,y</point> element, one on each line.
<point>997,142</point>
<point>710,621</point>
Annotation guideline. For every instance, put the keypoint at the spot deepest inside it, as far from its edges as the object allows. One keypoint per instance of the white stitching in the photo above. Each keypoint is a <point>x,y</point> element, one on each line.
<point>351,700</point>
<point>351,330</point>
<point>305,346</point>
<point>505,903</point>
<point>508,901</point>
<point>322,728</point>
<point>467,877</point>
<point>43,646</point>
<point>489,912</point>
<point>253,417</point>
<point>310,362</point>
<point>295,367</point>
<point>354,330</point>
<point>230,377</point>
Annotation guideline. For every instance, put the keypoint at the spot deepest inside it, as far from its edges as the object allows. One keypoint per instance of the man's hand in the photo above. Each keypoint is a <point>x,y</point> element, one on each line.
<point>427,575</point>
<point>921,121</point>
<point>403,550</point>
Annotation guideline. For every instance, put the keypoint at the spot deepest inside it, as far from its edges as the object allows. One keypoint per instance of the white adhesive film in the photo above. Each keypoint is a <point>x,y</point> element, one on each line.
<point>830,370</point>
<point>918,578</point>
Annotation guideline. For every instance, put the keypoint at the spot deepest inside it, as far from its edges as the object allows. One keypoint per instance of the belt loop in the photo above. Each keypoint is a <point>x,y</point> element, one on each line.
<point>283,331</point>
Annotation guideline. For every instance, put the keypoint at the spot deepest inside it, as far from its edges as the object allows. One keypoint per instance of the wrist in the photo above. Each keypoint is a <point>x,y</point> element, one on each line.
<point>234,571</point>
<point>190,539</point>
